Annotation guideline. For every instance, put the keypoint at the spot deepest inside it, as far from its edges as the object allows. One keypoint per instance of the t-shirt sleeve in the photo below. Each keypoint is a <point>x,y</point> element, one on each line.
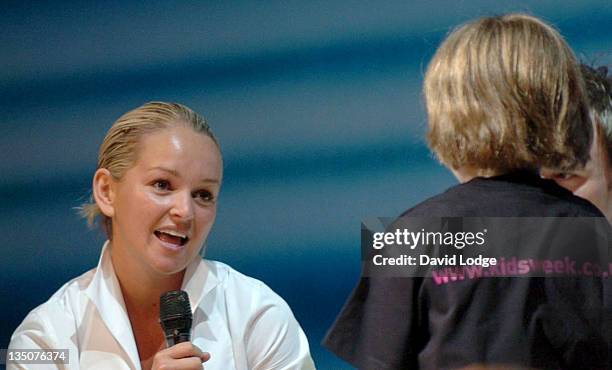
<point>378,327</point>
<point>273,337</point>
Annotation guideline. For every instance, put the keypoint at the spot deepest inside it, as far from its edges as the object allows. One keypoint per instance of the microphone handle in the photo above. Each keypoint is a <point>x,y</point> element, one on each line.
<point>177,337</point>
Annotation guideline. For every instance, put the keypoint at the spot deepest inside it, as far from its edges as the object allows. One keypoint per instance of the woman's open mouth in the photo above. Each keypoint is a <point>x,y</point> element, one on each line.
<point>171,239</point>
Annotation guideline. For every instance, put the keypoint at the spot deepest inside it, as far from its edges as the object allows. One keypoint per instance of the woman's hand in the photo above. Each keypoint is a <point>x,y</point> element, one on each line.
<point>182,356</point>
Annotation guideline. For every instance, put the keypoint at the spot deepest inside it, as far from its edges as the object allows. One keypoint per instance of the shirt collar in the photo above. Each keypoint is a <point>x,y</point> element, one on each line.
<point>105,293</point>
<point>200,278</point>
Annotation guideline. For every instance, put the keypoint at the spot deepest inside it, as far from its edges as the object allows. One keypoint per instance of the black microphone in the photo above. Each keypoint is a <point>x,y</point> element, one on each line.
<point>175,316</point>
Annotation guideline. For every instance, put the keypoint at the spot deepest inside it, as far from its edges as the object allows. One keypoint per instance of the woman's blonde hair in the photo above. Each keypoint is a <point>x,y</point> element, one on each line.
<point>505,93</point>
<point>119,149</point>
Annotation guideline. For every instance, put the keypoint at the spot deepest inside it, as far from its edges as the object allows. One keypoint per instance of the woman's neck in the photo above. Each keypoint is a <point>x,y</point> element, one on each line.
<point>141,286</point>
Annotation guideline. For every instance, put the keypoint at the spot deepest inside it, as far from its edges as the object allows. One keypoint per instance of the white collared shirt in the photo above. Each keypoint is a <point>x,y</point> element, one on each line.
<point>241,322</point>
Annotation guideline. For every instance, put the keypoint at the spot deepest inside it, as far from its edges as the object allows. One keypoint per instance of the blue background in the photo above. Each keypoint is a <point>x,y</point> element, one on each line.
<point>316,104</point>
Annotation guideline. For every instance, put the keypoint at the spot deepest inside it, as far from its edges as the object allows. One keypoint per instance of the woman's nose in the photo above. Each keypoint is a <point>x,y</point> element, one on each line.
<point>182,206</point>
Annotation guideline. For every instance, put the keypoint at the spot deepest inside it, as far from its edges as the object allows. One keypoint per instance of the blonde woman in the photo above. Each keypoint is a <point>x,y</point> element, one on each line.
<point>155,194</point>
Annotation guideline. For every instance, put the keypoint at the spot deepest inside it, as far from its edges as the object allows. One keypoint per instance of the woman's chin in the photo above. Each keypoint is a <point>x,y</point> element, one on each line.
<point>165,265</point>
<point>168,262</point>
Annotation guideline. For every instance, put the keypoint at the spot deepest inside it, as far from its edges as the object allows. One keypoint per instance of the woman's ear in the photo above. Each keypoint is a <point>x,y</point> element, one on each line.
<point>104,192</point>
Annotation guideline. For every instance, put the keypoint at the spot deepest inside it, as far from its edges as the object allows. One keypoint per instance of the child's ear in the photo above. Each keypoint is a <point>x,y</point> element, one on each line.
<point>547,173</point>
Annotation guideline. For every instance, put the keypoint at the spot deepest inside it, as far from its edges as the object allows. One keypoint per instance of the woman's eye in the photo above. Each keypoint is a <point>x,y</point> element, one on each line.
<point>204,195</point>
<point>162,185</point>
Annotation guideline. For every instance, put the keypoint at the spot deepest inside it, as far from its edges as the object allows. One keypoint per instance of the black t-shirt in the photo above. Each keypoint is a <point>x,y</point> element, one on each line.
<point>412,323</point>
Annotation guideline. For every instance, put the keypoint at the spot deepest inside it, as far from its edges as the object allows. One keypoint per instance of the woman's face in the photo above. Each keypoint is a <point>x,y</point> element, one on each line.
<point>165,205</point>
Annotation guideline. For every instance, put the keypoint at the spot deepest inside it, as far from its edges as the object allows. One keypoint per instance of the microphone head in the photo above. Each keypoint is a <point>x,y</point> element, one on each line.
<point>175,316</point>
